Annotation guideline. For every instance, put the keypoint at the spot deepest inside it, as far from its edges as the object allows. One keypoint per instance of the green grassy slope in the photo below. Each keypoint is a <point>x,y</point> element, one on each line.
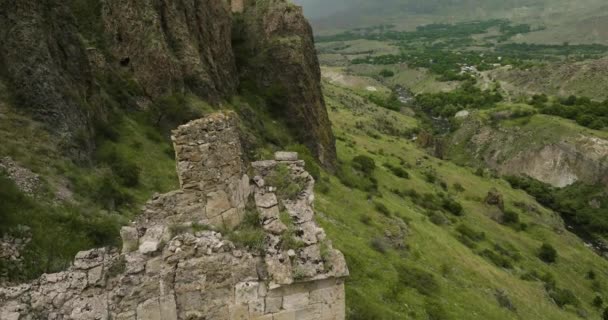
<point>434,275</point>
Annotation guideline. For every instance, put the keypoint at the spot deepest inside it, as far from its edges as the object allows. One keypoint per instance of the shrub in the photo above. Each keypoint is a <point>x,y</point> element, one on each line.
<point>366,219</point>
<point>497,259</point>
<point>379,244</point>
<point>598,302</point>
<point>452,206</point>
<point>382,208</point>
<point>424,282</point>
<point>123,168</point>
<point>547,253</point>
<point>351,177</point>
<point>109,194</point>
<point>310,161</point>
<point>591,275</point>
<point>249,233</point>
<point>438,218</point>
<point>510,217</point>
<point>387,73</point>
<point>289,240</point>
<point>397,171</point>
<point>468,236</point>
<point>563,297</point>
<point>288,187</point>
<point>605,314</point>
<point>435,311</point>
<point>504,301</point>
<point>364,164</point>
<point>117,267</point>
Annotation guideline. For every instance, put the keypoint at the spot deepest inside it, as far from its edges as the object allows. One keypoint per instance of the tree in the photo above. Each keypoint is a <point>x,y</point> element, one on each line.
<point>364,164</point>
<point>387,73</point>
<point>547,253</point>
<point>598,302</point>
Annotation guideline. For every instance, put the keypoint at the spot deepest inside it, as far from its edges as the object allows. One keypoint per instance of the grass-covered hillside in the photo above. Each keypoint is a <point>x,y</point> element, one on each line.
<point>422,242</point>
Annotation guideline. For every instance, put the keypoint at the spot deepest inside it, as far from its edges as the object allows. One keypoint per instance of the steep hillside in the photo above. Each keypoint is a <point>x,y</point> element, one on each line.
<point>414,255</point>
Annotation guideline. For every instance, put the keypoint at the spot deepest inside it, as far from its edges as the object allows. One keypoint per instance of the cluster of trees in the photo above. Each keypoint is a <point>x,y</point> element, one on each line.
<point>587,113</point>
<point>447,104</point>
<point>537,51</point>
<point>572,202</point>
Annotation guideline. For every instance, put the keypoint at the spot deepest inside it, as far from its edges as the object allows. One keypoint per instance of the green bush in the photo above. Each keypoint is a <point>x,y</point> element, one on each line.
<point>387,73</point>
<point>249,234</point>
<point>452,206</point>
<point>397,171</point>
<point>547,253</point>
<point>510,217</point>
<point>123,168</point>
<point>468,236</point>
<point>496,259</point>
<point>424,282</point>
<point>366,219</point>
<point>598,302</point>
<point>382,208</point>
<point>364,164</point>
<point>288,187</point>
<point>438,218</point>
<point>504,301</point>
<point>353,178</point>
<point>435,311</point>
<point>563,297</point>
<point>379,244</point>
<point>458,187</point>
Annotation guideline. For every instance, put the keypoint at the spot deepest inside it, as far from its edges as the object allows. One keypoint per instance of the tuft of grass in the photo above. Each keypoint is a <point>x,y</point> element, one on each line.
<point>288,187</point>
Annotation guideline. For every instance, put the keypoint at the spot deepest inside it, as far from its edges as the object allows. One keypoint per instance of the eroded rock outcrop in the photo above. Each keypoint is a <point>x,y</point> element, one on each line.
<point>554,154</point>
<point>43,58</point>
<point>173,265</point>
<point>275,48</point>
<point>169,46</point>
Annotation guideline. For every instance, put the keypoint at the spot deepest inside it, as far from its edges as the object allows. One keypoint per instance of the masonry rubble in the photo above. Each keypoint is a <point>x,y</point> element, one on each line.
<point>169,269</point>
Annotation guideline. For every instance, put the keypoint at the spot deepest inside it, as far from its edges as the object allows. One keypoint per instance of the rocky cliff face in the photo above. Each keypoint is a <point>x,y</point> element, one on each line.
<point>170,269</point>
<point>62,63</point>
<point>553,155</point>
<point>46,64</point>
<point>171,46</point>
<point>280,58</point>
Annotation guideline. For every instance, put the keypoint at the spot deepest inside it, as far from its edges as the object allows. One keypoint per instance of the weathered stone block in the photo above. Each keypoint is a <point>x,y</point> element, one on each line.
<point>168,307</point>
<point>285,315</point>
<point>273,304</point>
<point>246,292</point>
<point>239,312</point>
<point>130,239</point>
<point>149,310</point>
<point>295,301</point>
<point>286,156</point>
<point>265,200</point>
<point>217,203</point>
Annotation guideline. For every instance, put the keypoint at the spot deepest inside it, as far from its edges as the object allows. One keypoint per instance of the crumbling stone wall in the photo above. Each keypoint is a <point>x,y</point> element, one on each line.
<point>169,269</point>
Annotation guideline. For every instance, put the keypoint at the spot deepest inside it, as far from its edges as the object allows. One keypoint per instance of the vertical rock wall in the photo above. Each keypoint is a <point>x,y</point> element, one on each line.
<point>169,268</point>
<point>278,52</point>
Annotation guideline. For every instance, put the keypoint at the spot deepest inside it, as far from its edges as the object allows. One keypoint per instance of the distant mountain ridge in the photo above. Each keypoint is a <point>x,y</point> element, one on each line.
<point>345,14</point>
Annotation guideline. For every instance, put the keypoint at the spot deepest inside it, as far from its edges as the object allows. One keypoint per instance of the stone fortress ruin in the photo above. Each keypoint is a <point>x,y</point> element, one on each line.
<point>175,264</point>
